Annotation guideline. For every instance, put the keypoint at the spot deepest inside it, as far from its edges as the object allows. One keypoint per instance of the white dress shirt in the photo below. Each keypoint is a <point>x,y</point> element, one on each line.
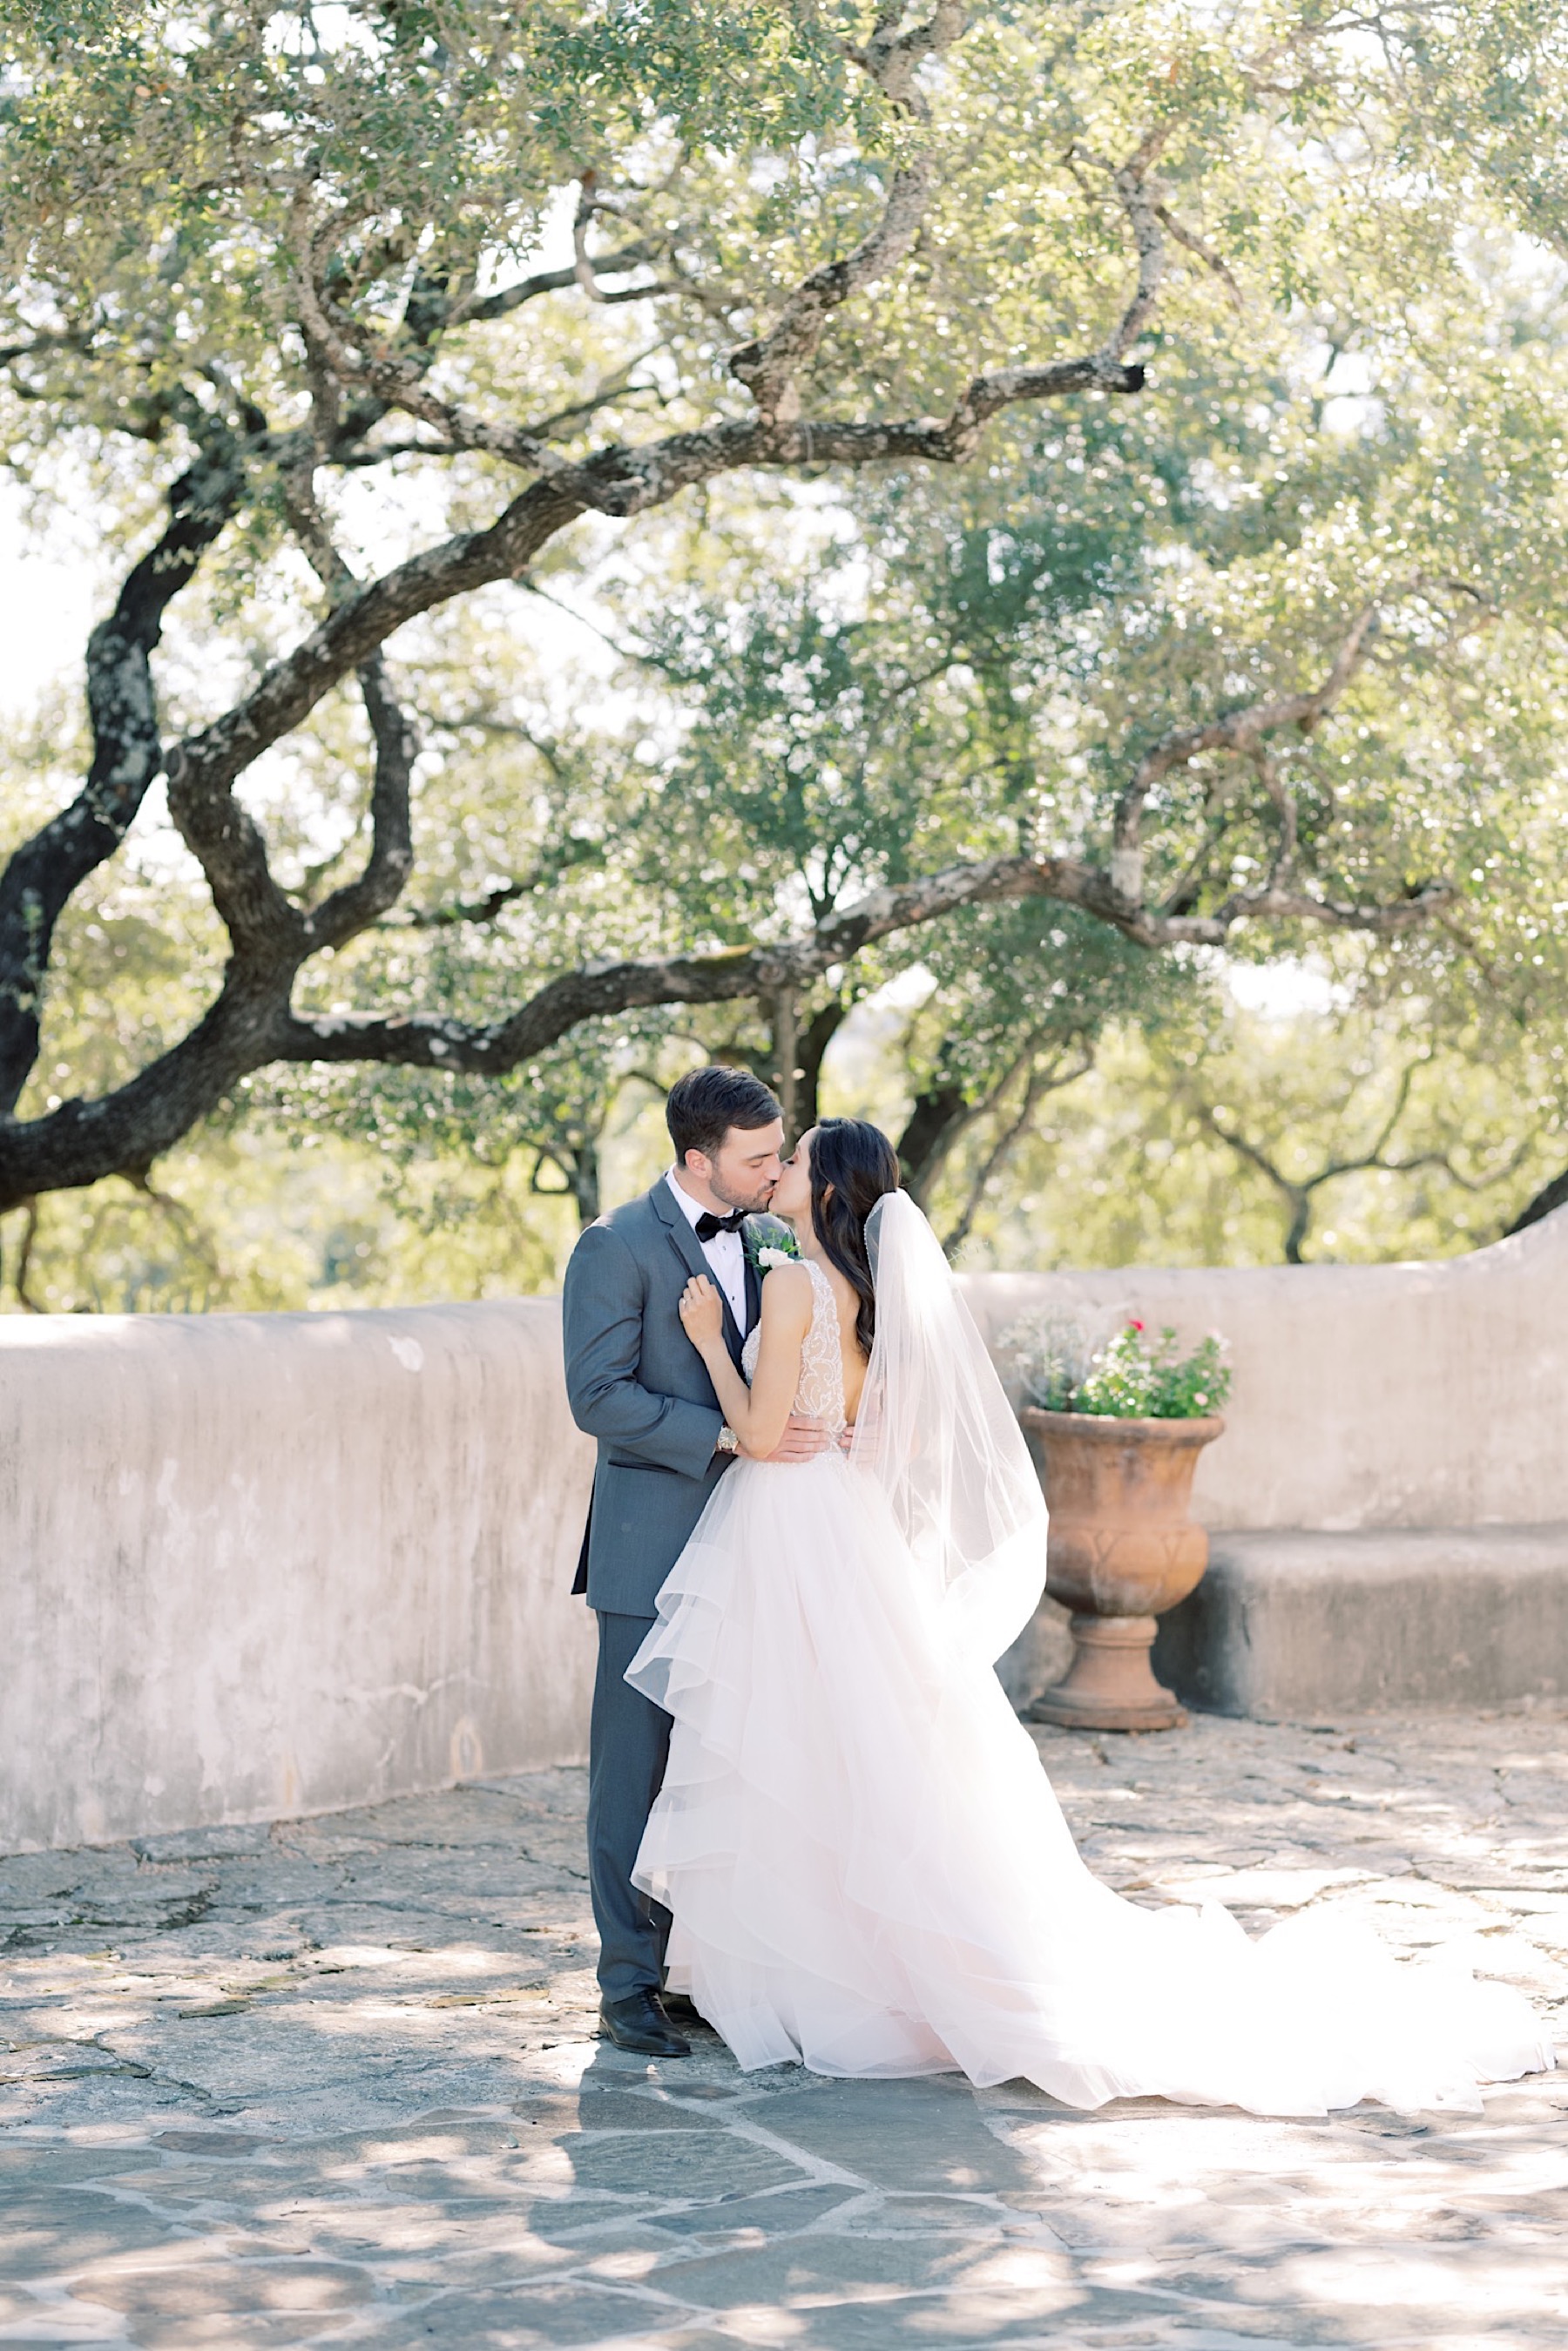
<point>724,1254</point>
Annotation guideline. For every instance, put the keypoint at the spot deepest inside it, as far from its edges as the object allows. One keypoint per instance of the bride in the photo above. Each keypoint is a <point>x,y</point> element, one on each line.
<point>867,1868</point>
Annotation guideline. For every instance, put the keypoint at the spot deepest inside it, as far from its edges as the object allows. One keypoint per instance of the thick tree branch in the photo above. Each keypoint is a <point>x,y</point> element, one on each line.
<point>25,1298</point>
<point>582,220</point>
<point>309,526</point>
<point>124,1132</point>
<point>894,53</point>
<point>359,903</point>
<point>770,366</point>
<point>341,351</point>
<point>620,482</point>
<point>1544,1203</point>
<point>251,1024</point>
<point>433,1042</point>
<point>127,753</point>
<point>625,480</point>
<point>810,1048</point>
<point>349,909</point>
<point>557,426</point>
<point>230,849</point>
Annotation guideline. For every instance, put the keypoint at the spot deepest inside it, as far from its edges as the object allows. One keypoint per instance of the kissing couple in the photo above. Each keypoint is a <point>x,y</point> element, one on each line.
<point>812,1812</point>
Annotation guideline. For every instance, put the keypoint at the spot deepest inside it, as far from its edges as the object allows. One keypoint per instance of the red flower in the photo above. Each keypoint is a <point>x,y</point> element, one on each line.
<point>1134,1326</point>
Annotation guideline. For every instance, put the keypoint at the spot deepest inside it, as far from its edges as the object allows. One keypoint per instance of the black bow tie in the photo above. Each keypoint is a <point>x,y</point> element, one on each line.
<point>709,1226</point>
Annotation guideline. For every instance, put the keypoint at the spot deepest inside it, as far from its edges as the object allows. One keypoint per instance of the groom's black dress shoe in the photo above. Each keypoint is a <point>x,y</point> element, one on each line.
<point>639,2023</point>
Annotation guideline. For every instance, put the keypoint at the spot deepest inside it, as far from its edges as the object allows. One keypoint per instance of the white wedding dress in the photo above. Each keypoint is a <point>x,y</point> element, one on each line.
<point>867,1868</point>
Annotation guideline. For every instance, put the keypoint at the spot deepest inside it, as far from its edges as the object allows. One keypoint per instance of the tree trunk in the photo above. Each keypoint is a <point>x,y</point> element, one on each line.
<point>784,1011</point>
<point>821,1031</point>
<point>933,1125</point>
<point>585,1181</point>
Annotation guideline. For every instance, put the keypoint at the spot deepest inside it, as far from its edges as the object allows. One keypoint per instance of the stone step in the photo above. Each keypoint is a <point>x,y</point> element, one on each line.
<point>1298,1625</point>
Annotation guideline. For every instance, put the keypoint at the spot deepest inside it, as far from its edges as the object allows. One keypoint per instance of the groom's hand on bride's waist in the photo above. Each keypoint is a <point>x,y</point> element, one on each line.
<point>802,1440</point>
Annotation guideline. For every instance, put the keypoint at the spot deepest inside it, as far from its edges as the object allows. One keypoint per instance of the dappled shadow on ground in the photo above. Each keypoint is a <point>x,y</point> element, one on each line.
<point>334,2082</point>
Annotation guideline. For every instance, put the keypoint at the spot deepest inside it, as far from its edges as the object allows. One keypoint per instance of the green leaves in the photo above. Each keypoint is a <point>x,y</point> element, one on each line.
<point>1060,1368</point>
<point>151,162</point>
<point>1130,1380</point>
<point>371,237</point>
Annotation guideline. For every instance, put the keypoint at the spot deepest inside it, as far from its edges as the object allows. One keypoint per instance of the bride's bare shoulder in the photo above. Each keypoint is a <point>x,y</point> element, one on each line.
<point>787,1295</point>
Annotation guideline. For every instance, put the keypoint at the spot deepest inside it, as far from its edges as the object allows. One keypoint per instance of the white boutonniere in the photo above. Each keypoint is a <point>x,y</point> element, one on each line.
<point>768,1242</point>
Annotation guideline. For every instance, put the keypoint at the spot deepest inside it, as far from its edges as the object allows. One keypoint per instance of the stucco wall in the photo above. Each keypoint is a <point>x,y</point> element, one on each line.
<point>1387,1395</point>
<point>261,1564</point>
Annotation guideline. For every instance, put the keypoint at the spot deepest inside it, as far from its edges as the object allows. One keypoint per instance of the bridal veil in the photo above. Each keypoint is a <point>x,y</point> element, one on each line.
<point>937,1432</point>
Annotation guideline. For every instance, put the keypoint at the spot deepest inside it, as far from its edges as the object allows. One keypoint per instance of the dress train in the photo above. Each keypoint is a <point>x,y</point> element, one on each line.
<point>870,1874</point>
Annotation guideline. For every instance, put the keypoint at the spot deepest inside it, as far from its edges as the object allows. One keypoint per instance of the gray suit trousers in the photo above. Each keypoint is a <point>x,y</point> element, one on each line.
<point>629,1743</point>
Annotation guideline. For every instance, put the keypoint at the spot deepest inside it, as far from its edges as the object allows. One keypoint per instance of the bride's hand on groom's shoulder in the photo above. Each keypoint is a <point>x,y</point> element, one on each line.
<point>702,1311</point>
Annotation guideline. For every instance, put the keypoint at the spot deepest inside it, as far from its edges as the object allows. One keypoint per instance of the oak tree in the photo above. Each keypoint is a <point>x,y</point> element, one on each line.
<point>291,282</point>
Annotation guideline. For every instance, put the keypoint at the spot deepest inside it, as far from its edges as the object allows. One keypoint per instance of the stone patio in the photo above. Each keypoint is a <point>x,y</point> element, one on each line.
<point>334,2082</point>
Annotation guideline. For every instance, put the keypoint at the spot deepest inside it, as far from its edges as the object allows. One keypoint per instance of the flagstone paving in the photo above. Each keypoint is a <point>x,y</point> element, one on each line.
<point>333,2082</point>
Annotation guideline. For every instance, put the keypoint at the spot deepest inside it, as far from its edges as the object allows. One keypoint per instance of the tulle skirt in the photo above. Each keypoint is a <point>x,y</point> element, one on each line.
<point>869,1871</point>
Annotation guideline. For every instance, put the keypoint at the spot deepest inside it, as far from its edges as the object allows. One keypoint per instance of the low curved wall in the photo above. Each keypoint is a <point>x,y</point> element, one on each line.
<point>263,1564</point>
<point>1376,1395</point>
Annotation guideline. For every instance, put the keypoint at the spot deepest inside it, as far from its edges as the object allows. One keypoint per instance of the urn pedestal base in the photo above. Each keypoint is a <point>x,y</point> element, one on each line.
<point>1109,1685</point>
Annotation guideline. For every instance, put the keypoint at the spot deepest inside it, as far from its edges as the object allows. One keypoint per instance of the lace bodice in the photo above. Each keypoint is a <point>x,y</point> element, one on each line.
<point>821,1390</point>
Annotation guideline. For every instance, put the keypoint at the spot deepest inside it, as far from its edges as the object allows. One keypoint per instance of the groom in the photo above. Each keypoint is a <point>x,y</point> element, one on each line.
<point>636,1383</point>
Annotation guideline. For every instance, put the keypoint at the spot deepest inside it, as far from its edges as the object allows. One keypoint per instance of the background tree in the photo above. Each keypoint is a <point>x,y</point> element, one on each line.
<point>291,294</point>
<point>1124,1168</point>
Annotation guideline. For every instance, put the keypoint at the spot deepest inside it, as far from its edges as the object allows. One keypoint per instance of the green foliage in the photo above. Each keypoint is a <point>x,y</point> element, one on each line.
<point>1129,1380</point>
<point>1060,1369</point>
<point>821,688</point>
<point>766,1240</point>
<point>1124,1169</point>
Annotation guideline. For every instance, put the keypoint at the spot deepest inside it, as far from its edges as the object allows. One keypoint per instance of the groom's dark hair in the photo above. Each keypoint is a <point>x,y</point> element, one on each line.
<point>705,1103</point>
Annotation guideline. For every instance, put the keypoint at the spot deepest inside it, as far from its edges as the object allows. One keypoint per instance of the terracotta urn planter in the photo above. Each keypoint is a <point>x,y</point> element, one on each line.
<point>1123,1547</point>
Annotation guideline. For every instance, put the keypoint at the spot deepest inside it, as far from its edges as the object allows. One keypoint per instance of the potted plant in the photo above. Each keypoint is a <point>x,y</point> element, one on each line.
<point>1116,1431</point>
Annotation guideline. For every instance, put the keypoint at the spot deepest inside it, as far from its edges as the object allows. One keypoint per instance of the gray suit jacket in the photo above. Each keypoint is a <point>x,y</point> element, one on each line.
<point>637,1384</point>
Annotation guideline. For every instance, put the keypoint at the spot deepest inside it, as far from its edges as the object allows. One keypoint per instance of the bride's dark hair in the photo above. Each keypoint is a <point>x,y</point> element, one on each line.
<point>853,1165</point>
